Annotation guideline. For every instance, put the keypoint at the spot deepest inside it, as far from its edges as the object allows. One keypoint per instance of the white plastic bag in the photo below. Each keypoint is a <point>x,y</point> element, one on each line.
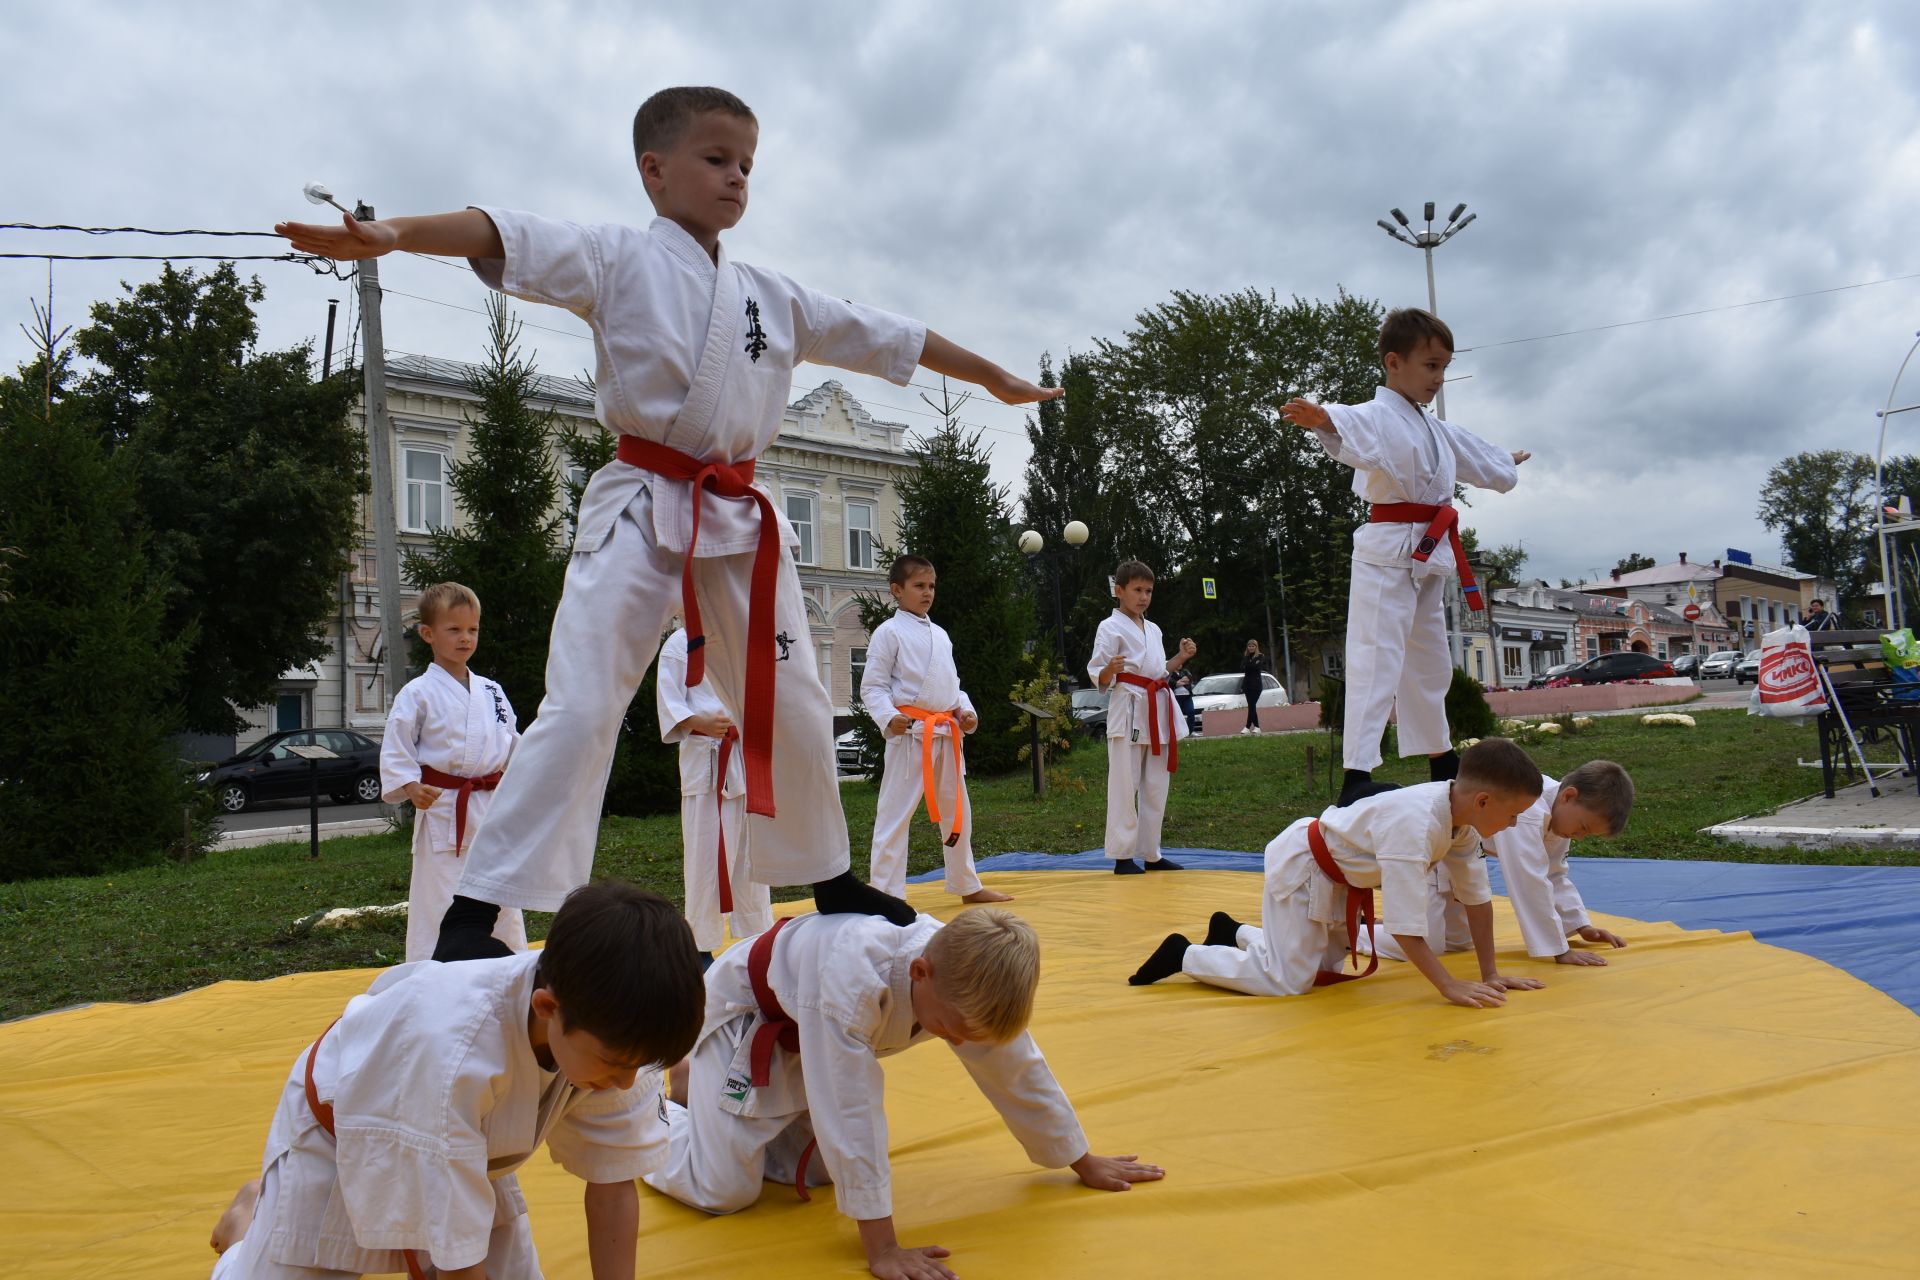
<point>1789,685</point>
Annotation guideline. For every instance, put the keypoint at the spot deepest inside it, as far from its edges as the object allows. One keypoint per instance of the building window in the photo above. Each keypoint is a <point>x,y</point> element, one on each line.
<point>1333,664</point>
<point>1661,651</point>
<point>860,535</point>
<point>1870,616</point>
<point>1513,662</point>
<point>1480,665</point>
<point>1593,646</point>
<point>426,490</point>
<point>858,654</point>
<point>800,516</point>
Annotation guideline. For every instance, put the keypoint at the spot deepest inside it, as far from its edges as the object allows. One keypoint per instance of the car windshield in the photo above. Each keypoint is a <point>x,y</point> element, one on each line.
<point>1089,698</point>
<point>1219,684</point>
<point>257,748</point>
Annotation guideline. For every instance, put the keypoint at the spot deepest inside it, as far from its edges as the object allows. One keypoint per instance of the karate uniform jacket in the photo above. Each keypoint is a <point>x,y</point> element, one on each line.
<point>1390,842</point>
<point>1146,655</point>
<point>676,704</point>
<point>437,1099</point>
<point>910,663</point>
<point>844,980</point>
<point>1399,452</point>
<point>1533,861</point>
<point>468,731</point>
<point>689,353</point>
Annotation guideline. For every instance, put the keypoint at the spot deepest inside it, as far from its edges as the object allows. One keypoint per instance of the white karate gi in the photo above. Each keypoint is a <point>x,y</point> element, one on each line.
<point>710,806</point>
<point>1390,842</point>
<point>1397,658</point>
<point>466,730</point>
<point>844,979</point>
<point>1136,778</point>
<point>910,663</point>
<point>699,358</point>
<point>437,1099</point>
<point>1533,861</point>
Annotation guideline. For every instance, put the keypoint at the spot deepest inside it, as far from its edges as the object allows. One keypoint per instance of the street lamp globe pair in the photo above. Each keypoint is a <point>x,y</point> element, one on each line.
<point>1075,535</point>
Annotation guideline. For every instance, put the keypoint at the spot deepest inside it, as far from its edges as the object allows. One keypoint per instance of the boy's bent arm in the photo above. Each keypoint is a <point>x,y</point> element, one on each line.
<point>955,361</point>
<point>613,1229</point>
<point>467,233</point>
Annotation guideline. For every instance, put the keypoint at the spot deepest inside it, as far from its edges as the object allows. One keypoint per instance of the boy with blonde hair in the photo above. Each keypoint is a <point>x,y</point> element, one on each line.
<point>1321,874</point>
<point>1405,463</point>
<point>1144,725</point>
<point>449,736</point>
<point>694,358</point>
<point>789,1061</point>
<point>912,690</point>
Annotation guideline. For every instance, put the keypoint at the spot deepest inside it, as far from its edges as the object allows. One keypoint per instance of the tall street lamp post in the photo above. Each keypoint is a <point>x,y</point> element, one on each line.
<point>1427,241</point>
<point>1035,548</point>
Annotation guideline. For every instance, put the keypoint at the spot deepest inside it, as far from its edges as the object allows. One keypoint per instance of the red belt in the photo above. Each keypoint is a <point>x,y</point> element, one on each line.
<point>727,740</point>
<point>466,787</point>
<point>775,1028</point>
<point>729,480</point>
<point>1359,908</point>
<point>323,1112</point>
<point>1154,688</point>
<point>930,721</point>
<point>1441,522</point>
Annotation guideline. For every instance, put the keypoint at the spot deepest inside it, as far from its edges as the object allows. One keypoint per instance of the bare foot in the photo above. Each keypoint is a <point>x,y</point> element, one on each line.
<point>233,1224</point>
<point>987,895</point>
<point>677,1077</point>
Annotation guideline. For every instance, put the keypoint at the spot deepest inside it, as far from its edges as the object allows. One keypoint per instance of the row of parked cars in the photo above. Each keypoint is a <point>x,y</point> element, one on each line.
<point>1609,667</point>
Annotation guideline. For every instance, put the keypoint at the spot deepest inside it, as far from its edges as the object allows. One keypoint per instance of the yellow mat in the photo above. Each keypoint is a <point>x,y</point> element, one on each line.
<point>1707,1105</point>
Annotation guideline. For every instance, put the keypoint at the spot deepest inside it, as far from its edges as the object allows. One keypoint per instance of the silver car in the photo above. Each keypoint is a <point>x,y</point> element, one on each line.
<point>1720,664</point>
<point>1748,668</point>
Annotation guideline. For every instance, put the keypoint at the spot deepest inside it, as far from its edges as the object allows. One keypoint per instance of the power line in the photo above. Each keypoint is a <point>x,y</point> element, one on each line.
<point>138,231</point>
<point>319,266</point>
<point>455,306</point>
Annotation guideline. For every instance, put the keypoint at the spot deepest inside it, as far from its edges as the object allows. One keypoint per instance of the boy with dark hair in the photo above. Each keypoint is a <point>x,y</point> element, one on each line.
<point>1321,874</point>
<point>1406,463</point>
<point>912,690</point>
<point>1144,727</point>
<point>695,354</point>
<point>398,1131</point>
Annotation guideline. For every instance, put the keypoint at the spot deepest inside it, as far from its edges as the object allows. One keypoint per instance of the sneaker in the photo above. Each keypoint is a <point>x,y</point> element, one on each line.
<point>1256,731</point>
<point>1245,732</point>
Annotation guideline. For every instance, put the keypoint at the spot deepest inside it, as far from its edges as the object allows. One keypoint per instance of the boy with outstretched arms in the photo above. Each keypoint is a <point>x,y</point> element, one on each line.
<point>912,690</point>
<point>1405,463</point>
<point>398,1130</point>
<point>694,357</point>
<point>1321,874</point>
<point>785,1082</point>
<point>1593,800</point>
<point>1144,726</point>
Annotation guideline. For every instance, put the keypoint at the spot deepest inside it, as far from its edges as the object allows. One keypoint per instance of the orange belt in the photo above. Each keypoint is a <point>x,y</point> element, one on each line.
<point>1441,522</point>
<point>727,740</point>
<point>323,1112</point>
<point>930,721</point>
<point>729,480</point>
<point>1154,689</point>
<point>466,787</point>
<point>1359,908</point>
<point>776,1028</point>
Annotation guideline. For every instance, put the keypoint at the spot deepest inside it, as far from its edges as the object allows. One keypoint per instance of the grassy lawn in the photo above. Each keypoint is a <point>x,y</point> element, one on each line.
<point>160,930</point>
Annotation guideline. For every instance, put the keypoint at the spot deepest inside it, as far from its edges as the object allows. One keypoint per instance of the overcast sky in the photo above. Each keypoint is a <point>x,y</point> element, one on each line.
<point>1028,176</point>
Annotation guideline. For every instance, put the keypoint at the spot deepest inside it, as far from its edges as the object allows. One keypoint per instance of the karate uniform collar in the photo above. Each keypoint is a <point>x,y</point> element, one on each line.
<point>900,1026</point>
<point>448,677</point>
<point>1387,394</point>
<point>684,247</point>
<point>910,616</point>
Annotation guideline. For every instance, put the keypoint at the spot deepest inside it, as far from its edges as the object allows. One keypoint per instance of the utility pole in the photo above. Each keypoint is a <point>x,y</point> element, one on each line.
<point>386,533</point>
<point>344,606</point>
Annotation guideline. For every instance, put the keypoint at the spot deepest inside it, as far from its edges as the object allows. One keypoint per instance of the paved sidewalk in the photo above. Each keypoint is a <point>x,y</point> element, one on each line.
<point>1853,818</point>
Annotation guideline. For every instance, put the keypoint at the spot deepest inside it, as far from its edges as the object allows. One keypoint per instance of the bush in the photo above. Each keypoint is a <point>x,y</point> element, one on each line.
<point>1039,685</point>
<point>1468,713</point>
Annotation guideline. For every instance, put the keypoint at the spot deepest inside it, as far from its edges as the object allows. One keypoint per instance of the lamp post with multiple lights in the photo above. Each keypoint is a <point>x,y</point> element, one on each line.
<point>1427,241</point>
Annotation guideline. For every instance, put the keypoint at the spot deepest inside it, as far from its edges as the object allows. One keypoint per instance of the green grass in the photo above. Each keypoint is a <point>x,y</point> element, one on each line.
<point>144,934</point>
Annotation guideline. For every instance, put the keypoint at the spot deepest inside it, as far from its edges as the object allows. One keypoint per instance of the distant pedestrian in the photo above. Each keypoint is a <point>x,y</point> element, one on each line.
<point>1253,669</point>
<point>1818,619</point>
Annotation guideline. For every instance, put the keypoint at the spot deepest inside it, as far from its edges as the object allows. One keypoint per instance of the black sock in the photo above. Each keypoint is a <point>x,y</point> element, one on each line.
<point>1443,768</point>
<point>1351,784</point>
<point>1223,930</point>
<point>466,931</point>
<point>845,896</point>
<point>1164,962</point>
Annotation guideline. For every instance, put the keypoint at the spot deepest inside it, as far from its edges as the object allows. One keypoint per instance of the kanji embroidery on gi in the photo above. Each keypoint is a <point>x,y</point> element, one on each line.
<point>756,336</point>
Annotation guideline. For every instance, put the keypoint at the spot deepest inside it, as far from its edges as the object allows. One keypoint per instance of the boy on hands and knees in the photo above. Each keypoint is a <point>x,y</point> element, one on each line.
<point>789,1061</point>
<point>694,357</point>
<point>1321,874</point>
<point>398,1131</point>
<point>1144,727</point>
<point>912,690</point>
<point>1593,800</point>
<point>1406,463</point>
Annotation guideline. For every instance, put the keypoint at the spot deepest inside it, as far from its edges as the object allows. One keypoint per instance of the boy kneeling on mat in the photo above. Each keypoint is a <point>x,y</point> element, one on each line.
<point>1321,874</point>
<point>785,1081</point>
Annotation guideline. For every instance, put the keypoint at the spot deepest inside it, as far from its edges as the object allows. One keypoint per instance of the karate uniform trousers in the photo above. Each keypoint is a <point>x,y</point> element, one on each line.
<point>902,797</point>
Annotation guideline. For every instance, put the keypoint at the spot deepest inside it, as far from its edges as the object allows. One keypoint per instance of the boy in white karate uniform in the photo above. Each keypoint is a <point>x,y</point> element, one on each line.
<point>1144,725</point>
<point>789,1060</point>
<point>694,357</point>
<point>1406,463</point>
<point>912,690</point>
<point>1321,874</point>
<point>398,1130</point>
<point>713,849</point>
<point>448,739</point>
<point>1593,800</point>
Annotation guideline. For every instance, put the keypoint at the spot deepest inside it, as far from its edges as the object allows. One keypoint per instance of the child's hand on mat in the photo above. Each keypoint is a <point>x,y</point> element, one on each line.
<point>903,1263</point>
<point>1115,1173</point>
<point>1590,933</point>
<point>1473,995</point>
<point>968,721</point>
<point>1505,983</point>
<point>349,242</point>
<point>712,725</point>
<point>898,725</point>
<point>422,795</point>
<point>1570,956</point>
<point>1305,413</point>
<point>1520,456</point>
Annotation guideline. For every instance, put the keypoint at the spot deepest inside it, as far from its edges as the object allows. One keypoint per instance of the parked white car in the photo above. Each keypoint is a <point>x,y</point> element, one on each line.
<point>1719,665</point>
<point>1227,692</point>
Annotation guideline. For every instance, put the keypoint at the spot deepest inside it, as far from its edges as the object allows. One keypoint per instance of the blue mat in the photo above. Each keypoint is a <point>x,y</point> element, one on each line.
<point>1865,920</point>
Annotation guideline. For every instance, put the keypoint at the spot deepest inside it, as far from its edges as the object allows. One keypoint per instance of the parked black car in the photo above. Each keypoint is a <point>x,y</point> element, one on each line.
<point>1687,664</point>
<point>1554,672</point>
<point>1624,665</point>
<point>267,770</point>
<point>1090,711</point>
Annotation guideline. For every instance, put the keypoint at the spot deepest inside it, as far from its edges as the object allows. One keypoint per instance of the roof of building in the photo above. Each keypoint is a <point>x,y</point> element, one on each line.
<point>1598,606</point>
<point>458,373</point>
<point>1687,571</point>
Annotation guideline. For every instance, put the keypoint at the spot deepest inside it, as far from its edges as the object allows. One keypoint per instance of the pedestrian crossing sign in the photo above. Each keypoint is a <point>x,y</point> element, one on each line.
<point>1207,589</point>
